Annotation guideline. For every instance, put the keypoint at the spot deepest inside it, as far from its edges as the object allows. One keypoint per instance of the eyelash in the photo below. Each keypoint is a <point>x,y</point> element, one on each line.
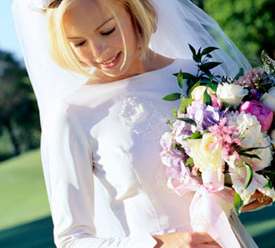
<point>109,32</point>
<point>105,34</point>
<point>80,44</point>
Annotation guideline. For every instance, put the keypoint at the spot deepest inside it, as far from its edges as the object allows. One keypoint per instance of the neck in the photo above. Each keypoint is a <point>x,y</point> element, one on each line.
<point>152,62</point>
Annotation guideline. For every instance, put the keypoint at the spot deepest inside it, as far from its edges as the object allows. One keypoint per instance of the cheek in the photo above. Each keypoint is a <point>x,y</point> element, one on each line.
<point>84,55</point>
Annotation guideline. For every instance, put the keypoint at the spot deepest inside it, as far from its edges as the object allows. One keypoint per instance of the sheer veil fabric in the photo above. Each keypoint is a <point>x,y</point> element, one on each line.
<point>180,23</point>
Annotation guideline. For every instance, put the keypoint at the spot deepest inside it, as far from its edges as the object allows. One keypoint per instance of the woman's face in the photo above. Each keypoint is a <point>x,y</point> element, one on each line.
<point>95,37</point>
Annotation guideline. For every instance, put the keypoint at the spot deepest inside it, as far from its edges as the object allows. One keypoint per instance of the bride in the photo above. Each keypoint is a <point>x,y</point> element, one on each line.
<point>102,115</point>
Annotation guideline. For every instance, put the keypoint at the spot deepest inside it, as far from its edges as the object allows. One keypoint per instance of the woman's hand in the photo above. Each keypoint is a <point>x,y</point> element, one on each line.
<point>258,200</point>
<point>185,240</point>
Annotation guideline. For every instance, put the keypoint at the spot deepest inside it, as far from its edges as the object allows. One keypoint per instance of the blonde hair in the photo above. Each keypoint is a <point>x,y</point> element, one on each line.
<point>143,17</point>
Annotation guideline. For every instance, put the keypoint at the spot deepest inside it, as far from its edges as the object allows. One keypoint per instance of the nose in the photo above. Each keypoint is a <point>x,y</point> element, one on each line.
<point>97,48</point>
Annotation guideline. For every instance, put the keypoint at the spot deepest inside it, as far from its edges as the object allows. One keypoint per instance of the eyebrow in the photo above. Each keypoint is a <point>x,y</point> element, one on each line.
<point>109,19</point>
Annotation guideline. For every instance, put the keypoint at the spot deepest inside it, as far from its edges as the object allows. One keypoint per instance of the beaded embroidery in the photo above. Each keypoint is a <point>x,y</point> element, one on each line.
<point>140,114</point>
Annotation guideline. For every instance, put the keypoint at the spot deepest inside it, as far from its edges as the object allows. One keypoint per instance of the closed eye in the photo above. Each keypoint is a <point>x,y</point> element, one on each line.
<point>80,43</point>
<point>109,32</point>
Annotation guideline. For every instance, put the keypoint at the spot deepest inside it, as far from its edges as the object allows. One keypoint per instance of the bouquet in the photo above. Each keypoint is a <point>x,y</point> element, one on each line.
<point>221,141</point>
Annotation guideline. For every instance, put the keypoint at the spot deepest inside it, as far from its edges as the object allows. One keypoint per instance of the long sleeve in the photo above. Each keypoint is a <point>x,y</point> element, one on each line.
<point>68,173</point>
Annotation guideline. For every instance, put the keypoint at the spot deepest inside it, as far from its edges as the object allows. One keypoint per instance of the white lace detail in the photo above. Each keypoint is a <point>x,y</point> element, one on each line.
<point>140,114</point>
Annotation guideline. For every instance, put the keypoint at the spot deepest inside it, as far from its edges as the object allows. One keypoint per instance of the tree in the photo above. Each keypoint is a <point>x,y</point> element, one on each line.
<point>249,23</point>
<point>19,113</point>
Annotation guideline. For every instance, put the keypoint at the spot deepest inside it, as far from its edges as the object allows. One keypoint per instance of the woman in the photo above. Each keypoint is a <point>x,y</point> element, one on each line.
<point>100,139</point>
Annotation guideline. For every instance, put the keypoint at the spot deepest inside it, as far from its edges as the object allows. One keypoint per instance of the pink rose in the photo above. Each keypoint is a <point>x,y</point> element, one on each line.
<point>262,112</point>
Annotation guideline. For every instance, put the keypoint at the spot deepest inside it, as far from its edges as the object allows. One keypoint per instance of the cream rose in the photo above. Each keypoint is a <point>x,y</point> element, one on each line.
<point>207,156</point>
<point>206,152</point>
<point>231,93</point>
<point>268,99</point>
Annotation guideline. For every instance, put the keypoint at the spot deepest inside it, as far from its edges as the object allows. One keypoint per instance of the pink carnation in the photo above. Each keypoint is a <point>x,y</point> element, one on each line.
<point>262,112</point>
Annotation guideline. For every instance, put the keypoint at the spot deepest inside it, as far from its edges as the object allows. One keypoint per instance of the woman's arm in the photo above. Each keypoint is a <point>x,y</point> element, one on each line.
<point>67,167</point>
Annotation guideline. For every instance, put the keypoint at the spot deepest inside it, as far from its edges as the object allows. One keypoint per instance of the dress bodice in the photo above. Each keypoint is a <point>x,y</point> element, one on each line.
<point>111,181</point>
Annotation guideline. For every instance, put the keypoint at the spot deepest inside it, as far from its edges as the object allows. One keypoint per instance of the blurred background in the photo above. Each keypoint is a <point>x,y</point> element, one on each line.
<point>25,220</point>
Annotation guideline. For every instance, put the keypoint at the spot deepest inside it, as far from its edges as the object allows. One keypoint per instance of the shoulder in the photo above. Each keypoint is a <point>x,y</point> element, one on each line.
<point>67,124</point>
<point>62,117</point>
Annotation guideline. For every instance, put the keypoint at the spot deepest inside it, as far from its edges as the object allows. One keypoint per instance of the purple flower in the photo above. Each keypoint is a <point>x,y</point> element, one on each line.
<point>182,130</point>
<point>204,116</point>
<point>263,113</point>
<point>252,78</point>
<point>255,94</point>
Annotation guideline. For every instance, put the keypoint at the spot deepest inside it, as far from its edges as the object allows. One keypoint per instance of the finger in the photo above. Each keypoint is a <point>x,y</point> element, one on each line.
<point>206,246</point>
<point>251,206</point>
<point>200,237</point>
<point>256,195</point>
<point>256,204</point>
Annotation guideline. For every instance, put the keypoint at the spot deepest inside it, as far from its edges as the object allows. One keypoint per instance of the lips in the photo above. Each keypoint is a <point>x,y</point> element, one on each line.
<point>109,61</point>
<point>108,64</point>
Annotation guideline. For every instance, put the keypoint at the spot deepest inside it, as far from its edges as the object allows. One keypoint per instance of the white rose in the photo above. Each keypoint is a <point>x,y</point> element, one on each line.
<point>246,124</point>
<point>251,136</point>
<point>231,93</point>
<point>268,99</point>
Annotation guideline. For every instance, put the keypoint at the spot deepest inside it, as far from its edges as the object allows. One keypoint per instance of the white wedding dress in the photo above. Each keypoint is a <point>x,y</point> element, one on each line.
<point>105,180</point>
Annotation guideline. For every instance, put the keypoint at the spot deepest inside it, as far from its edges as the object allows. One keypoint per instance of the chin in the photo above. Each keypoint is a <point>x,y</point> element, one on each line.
<point>116,72</point>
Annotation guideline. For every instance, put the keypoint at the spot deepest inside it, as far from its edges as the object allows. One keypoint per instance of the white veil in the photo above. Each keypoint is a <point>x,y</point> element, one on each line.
<point>180,22</point>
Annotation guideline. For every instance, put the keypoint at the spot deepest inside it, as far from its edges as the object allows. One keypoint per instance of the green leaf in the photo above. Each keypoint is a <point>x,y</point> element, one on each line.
<point>189,162</point>
<point>196,135</point>
<point>184,103</point>
<point>180,79</point>
<point>253,149</point>
<point>207,98</point>
<point>208,66</point>
<point>193,50</point>
<point>249,174</point>
<point>196,56</point>
<point>174,112</point>
<point>186,75</point>
<point>172,97</point>
<point>238,202</point>
<point>213,86</point>
<point>188,120</point>
<point>208,50</point>
<point>268,185</point>
<point>249,155</point>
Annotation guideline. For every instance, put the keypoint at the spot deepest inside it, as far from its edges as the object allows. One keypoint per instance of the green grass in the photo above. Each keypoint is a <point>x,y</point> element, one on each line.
<point>22,190</point>
<point>25,220</point>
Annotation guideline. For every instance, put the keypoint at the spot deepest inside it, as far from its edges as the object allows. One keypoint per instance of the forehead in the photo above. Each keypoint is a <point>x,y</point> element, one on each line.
<point>83,14</point>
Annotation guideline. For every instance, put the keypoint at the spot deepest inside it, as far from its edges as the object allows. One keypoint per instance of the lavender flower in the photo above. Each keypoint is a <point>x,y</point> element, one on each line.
<point>252,79</point>
<point>204,116</point>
